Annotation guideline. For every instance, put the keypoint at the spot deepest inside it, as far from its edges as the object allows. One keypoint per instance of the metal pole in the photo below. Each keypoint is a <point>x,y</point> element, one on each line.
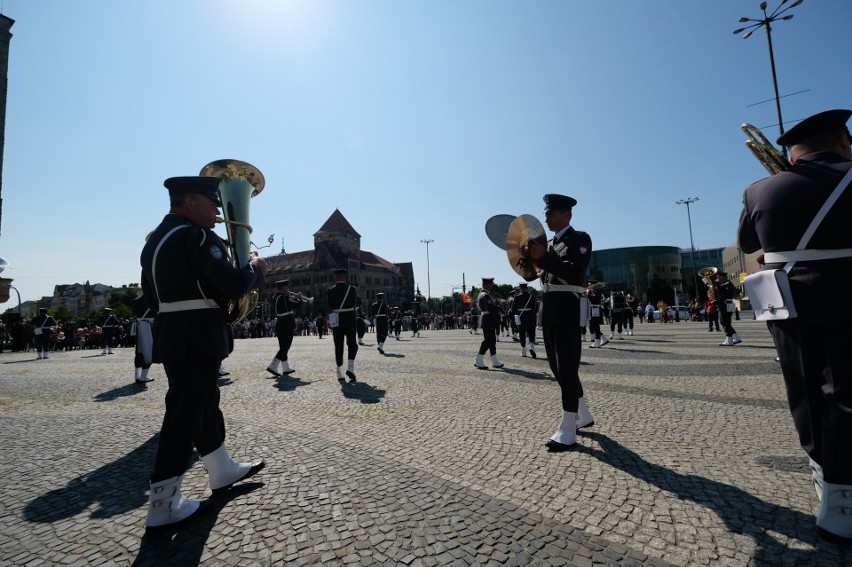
<point>427,242</point>
<point>687,202</point>
<point>775,85</point>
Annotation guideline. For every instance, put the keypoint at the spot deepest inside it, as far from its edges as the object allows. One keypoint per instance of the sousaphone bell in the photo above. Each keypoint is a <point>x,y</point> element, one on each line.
<point>524,229</point>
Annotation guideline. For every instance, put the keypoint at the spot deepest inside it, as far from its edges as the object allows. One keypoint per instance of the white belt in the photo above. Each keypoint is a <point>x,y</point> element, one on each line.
<point>485,313</point>
<point>381,315</point>
<point>188,305</point>
<point>284,314</point>
<point>527,309</point>
<point>344,310</point>
<point>145,320</point>
<point>806,255</point>
<point>546,288</point>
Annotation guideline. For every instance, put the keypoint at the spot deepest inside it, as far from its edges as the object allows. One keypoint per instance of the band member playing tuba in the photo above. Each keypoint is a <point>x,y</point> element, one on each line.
<point>283,305</point>
<point>563,264</point>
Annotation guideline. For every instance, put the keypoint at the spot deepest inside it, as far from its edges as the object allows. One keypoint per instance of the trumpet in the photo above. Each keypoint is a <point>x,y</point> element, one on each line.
<point>299,298</point>
<point>596,286</point>
<point>767,154</point>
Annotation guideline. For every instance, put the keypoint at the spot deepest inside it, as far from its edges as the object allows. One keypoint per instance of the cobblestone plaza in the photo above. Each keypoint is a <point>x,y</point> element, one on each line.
<point>425,461</point>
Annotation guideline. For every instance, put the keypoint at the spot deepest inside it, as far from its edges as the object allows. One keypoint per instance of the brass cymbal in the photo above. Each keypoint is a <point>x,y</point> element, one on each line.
<point>496,229</point>
<point>523,229</point>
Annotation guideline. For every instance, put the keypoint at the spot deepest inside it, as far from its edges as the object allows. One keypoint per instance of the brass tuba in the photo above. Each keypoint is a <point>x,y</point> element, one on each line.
<point>708,276</point>
<point>238,183</point>
<point>772,159</point>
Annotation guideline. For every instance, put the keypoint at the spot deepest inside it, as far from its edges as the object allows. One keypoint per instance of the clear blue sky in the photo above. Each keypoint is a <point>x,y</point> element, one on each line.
<point>418,120</point>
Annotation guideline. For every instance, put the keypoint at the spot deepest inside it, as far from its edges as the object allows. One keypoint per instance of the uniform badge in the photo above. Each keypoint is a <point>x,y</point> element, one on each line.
<point>583,250</point>
<point>216,252</point>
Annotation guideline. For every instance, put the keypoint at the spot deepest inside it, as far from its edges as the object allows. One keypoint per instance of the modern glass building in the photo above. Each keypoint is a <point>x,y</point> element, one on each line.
<point>651,273</point>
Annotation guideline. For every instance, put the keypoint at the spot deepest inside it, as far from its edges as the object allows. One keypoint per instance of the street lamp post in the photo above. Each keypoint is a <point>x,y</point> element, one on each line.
<point>427,242</point>
<point>767,20</point>
<point>691,244</point>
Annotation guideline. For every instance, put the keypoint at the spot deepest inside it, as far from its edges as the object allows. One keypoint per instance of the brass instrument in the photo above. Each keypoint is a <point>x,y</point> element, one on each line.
<point>772,159</point>
<point>597,286</point>
<point>524,229</point>
<point>238,183</point>
<point>708,276</point>
<point>299,298</point>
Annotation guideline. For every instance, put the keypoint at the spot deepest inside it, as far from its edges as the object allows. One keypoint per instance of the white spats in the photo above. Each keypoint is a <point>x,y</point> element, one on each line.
<point>167,505</point>
<point>479,362</point>
<point>566,433</point>
<point>584,416</point>
<point>222,470</point>
<point>834,519</point>
<point>495,362</point>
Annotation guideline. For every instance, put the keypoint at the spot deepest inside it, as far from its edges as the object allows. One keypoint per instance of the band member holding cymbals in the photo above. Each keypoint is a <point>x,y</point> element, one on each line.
<point>564,261</point>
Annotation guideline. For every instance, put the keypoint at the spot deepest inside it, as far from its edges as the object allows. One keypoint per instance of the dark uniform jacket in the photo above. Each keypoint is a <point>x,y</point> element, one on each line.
<point>108,321</point>
<point>44,322</point>
<point>777,211</point>
<point>564,263</point>
<point>524,305</point>
<point>379,308</point>
<point>180,262</point>
<point>281,304</point>
<point>336,295</point>
<point>488,309</point>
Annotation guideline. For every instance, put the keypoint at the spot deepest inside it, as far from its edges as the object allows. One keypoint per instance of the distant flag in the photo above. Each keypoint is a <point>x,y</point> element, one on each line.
<point>466,298</point>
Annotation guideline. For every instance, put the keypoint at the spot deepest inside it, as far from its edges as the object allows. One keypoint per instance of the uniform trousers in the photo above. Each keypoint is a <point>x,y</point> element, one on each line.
<point>381,329</point>
<point>595,326</point>
<point>816,360</point>
<point>106,337</point>
<point>489,338</point>
<point>144,345</point>
<point>42,341</point>
<point>725,316</point>
<point>345,331</point>
<point>527,328</point>
<point>193,417</point>
<point>284,329</point>
<point>563,346</point>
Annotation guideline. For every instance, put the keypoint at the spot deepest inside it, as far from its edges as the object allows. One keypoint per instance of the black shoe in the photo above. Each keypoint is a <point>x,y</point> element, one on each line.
<point>351,376</point>
<point>273,372</point>
<point>532,353</point>
<point>833,538</point>
<point>256,467</point>
<point>557,447</point>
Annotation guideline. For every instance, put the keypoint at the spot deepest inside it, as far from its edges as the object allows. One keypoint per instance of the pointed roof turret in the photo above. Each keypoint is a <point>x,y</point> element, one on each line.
<point>337,223</point>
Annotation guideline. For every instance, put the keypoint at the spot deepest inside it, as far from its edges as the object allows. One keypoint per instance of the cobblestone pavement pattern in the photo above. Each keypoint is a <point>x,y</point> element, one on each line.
<point>425,461</point>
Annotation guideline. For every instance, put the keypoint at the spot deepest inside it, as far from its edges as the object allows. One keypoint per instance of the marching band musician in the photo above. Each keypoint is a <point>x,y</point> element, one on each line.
<point>360,324</point>
<point>108,324</point>
<point>617,318</point>
<point>43,325</point>
<point>379,311</point>
<point>523,316</point>
<point>630,312</point>
<point>813,347</point>
<point>187,273</point>
<point>564,262</point>
<point>396,320</point>
<point>285,326</point>
<point>596,301</point>
<point>342,300</point>
<point>144,338</point>
<point>726,292</point>
<point>489,316</point>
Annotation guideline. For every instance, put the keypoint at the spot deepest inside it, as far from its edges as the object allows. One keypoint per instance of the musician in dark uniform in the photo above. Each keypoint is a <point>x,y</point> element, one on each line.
<point>43,325</point>
<point>141,329</point>
<point>617,317</point>
<point>342,300</point>
<point>360,324</point>
<point>489,317</point>
<point>726,292</point>
<point>108,323</point>
<point>396,321</point>
<point>285,326</point>
<point>596,311</point>
<point>187,274</point>
<point>630,312</point>
<point>564,262</point>
<point>379,311</point>
<point>814,347</point>
<point>523,316</point>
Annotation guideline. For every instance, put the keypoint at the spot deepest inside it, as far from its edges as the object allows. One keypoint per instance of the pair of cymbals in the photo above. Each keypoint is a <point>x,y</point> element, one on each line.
<point>513,234</point>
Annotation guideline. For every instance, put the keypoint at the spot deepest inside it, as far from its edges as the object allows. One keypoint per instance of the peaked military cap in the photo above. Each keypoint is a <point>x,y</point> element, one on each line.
<point>380,294</point>
<point>487,280</point>
<point>42,308</point>
<point>282,283</point>
<point>814,125</point>
<point>108,309</point>
<point>339,271</point>
<point>554,202</point>
<point>200,184</point>
<point>522,285</point>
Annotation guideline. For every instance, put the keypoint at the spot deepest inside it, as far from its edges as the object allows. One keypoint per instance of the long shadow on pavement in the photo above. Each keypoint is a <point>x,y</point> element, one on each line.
<point>122,391</point>
<point>363,392</point>
<point>289,382</point>
<point>736,507</point>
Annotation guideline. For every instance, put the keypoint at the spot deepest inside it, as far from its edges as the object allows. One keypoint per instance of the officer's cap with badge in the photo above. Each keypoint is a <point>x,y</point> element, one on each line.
<point>380,295</point>
<point>340,271</point>
<point>487,280</point>
<point>522,285</point>
<point>200,184</point>
<point>282,283</point>
<point>830,120</point>
<point>555,202</point>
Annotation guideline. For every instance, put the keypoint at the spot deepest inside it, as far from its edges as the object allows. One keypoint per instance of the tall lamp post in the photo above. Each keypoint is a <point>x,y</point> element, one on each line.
<point>691,244</point>
<point>767,20</point>
<point>427,242</point>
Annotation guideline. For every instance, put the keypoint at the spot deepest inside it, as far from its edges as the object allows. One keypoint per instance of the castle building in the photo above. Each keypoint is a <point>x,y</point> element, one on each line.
<point>337,245</point>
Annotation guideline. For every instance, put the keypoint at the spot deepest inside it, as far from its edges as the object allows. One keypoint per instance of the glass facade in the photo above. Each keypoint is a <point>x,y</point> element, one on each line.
<point>651,273</point>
